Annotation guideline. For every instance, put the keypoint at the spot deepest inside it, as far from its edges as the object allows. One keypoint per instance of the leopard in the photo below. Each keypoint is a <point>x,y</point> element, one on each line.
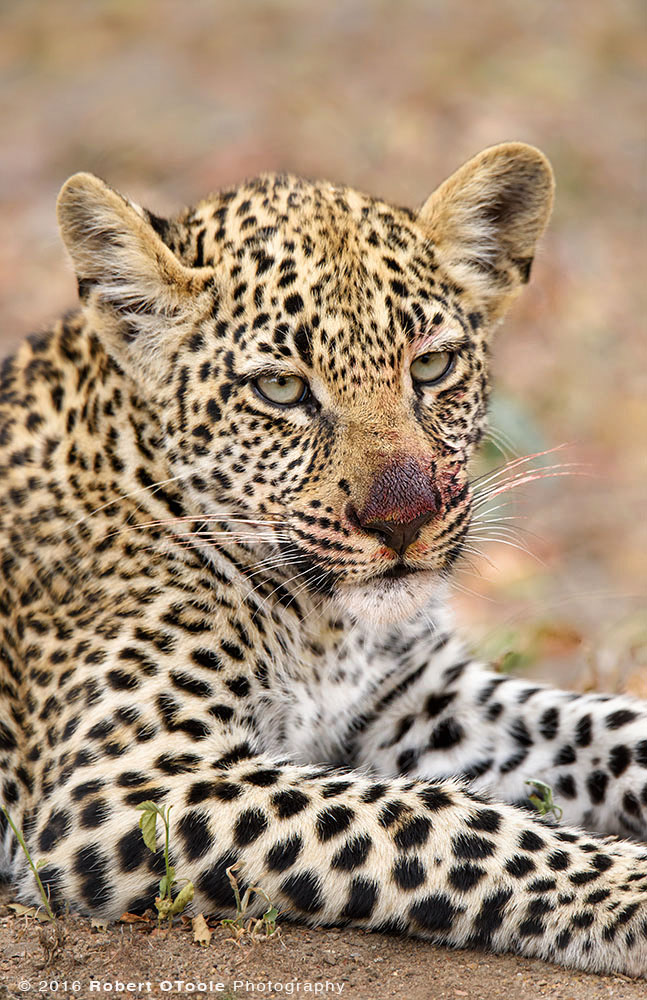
<point>235,482</point>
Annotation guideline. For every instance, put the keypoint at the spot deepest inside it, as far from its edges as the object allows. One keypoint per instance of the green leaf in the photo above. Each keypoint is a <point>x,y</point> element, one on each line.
<point>164,887</point>
<point>148,806</point>
<point>183,898</point>
<point>148,826</point>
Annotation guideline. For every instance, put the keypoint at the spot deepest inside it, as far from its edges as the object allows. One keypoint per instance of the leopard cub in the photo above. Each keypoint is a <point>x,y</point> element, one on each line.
<point>233,485</point>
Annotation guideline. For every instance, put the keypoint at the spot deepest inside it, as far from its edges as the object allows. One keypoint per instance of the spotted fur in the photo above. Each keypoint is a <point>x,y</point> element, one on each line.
<point>235,607</point>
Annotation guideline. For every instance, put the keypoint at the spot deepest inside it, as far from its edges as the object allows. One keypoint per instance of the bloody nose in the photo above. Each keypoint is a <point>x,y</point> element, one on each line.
<point>398,535</point>
<point>402,498</point>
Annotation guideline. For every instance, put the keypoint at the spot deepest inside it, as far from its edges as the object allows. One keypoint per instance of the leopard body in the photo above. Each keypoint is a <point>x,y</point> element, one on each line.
<point>235,605</point>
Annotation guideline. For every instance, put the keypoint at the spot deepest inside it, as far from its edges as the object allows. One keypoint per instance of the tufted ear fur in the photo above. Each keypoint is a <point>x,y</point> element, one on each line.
<point>123,267</point>
<point>487,217</point>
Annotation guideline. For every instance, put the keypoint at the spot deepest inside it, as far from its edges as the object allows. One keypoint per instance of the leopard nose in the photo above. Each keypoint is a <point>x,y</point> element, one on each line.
<point>397,535</point>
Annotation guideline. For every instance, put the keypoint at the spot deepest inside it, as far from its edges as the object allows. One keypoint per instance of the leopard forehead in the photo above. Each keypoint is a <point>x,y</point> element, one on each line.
<point>322,277</point>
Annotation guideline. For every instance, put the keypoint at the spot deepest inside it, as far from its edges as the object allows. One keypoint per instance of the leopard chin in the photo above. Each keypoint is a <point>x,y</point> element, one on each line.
<point>391,600</point>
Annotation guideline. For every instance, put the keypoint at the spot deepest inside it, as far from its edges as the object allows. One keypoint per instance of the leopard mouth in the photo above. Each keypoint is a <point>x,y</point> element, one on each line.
<point>397,572</point>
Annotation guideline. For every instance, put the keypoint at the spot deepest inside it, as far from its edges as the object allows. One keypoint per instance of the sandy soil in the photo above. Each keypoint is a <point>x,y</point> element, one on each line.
<point>302,962</point>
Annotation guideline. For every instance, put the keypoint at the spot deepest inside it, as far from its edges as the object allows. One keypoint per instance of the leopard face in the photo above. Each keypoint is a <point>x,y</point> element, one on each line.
<point>316,361</point>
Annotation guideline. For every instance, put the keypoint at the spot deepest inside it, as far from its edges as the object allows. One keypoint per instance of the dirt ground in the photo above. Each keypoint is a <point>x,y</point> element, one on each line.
<point>169,100</point>
<point>302,963</point>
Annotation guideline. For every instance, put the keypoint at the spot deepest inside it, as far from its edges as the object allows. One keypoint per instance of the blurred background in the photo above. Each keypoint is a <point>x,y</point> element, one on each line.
<point>169,100</point>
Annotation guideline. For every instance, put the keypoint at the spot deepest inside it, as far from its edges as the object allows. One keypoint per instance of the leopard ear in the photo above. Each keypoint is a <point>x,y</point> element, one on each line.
<point>122,264</point>
<point>486,220</point>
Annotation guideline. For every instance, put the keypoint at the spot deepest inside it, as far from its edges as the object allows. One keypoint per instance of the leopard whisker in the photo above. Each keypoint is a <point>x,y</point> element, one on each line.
<point>514,463</point>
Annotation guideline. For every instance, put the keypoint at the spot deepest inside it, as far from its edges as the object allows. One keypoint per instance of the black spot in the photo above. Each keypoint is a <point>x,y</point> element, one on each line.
<point>533,927</point>
<point>180,763</point>
<point>242,751</point>
<point>196,834</point>
<point>437,703</point>
<point>549,723</point>
<point>200,791</point>
<point>565,786</point>
<point>119,680</point>
<point>289,802</point>
<point>132,851</point>
<point>490,917</point>
<point>434,798</point>
<point>361,900</point>
<point>284,854</point>
<point>303,344</point>
<point>514,761</point>
<point>471,847</point>
<point>352,854</point>
<point>249,826</point>
<point>333,788</point>
<point>224,713</point>
<point>641,753</point>
<point>192,685</point>
<point>465,877</point>
<point>583,731</point>
<point>520,733</point>
<point>519,866</point>
<point>619,759</point>
<point>263,777</point>
<point>434,912</point>
<point>93,867</point>
<point>94,814</point>
<point>413,833</point>
<point>558,861</point>
<point>598,896</point>
<point>293,304</point>
<point>488,820</point>
<point>566,755</point>
<point>620,718</point>
<point>542,885</point>
<point>407,760</point>
<point>582,920</point>
<point>238,686</point>
<point>55,829</point>
<point>409,873</point>
<point>596,785</point>
<point>563,939</point>
<point>333,821</point>
<point>215,883</point>
<point>206,658</point>
<point>213,410</point>
<point>304,891</point>
<point>531,841</point>
<point>446,734</point>
<point>630,804</point>
<point>583,878</point>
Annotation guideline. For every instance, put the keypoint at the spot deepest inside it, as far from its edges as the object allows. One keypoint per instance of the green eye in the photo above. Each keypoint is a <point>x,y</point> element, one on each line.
<point>431,367</point>
<point>286,390</point>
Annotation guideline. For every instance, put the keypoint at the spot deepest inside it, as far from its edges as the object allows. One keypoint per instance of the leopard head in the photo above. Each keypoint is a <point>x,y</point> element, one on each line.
<point>317,358</point>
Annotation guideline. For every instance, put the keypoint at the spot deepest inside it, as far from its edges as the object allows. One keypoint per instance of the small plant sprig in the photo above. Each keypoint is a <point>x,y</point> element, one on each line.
<point>542,799</point>
<point>167,906</point>
<point>252,926</point>
<point>34,867</point>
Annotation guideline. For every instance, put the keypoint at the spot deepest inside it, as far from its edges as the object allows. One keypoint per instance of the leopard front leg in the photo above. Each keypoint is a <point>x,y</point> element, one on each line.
<point>339,848</point>
<point>453,717</point>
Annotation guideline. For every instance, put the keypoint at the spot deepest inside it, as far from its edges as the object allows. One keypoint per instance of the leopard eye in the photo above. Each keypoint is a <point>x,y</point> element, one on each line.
<point>286,390</point>
<point>433,366</point>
